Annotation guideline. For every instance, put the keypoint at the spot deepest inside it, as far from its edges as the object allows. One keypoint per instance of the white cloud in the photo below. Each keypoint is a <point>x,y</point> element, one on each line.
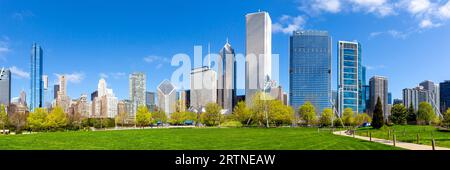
<point>393,33</point>
<point>117,75</point>
<point>444,11</point>
<point>287,24</point>
<point>19,73</point>
<point>418,6</point>
<point>426,23</point>
<point>75,77</point>
<point>21,15</point>
<point>103,75</point>
<point>4,47</point>
<point>333,6</point>
<point>158,60</point>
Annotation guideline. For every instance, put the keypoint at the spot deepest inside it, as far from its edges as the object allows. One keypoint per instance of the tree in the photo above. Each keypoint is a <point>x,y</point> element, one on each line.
<point>280,114</point>
<point>327,117</point>
<point>399,114</point>
<point>242,113</point>
<point>412,116</point>
<point>159,116</point>
<point>37,120</point>
<point>3,118</point>
<point>143,116</point>
<point>348,117</point>
<point>307,113</point>
<point>378,118</point>
<point>362,118</point>
<point>18,120</point>
<point>425,114</point>
<point>213,115</point>
<point>260,108</point>
<point>57,119</point>
<point>446,119</point>
<point>121,118</point>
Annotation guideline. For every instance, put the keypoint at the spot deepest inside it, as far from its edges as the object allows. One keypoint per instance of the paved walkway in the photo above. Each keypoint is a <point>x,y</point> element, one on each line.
<point>404,145</point>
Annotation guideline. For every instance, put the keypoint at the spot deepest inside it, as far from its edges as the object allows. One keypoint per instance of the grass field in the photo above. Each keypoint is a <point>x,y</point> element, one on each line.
<point>408,133</point>
<point>189,139</point>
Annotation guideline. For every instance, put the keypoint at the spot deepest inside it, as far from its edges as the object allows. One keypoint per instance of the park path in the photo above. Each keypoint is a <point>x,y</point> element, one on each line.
<point>404,145</point>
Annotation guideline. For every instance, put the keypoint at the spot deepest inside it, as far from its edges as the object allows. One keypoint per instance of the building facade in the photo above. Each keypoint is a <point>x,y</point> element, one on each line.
<point>258,53</point>
<point>137,90</point>
<point>379,88</point>
<point>203,87</point>
<point>150,100</point>
<point>310,69</point>
<point>349,76</point>
<point>226,83</point>
<point>5,86</point>
<point>444,95</point>
<point>427,91</point>
<point>36,82</point>
<point>167,97</point>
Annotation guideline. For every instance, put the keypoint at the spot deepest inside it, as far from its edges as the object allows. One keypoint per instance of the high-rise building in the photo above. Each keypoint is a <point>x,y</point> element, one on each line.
<point>167,97</point>
<point>137,90</point>
<point>150,100</point>
<point>365,92</point>
<point>105,105</point>
<point>94,95</point>
<point>349,76</point>
<point>63,100</point>
<point>22,98</point>
<point>433,94</point>
<point>203,87</point>
<point>226,95</point>
<point>55,91</point>
<point>398,101</point>
<point>126,106</point>
<point>5,86</point>
<point>389,98</point>
<point>36,82</point>
<point>444,95</point>
<point>310,69</point>
<point>379,88</point>
<point>258,47</point>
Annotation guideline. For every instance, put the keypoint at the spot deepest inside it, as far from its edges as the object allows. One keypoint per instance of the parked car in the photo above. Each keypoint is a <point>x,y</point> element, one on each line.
<point>366,124</point>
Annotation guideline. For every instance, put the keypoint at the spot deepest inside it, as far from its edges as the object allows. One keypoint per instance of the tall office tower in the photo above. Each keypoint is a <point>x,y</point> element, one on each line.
<point>364,96</point>
<point>105,105</point>
<point>55,91</point>
<point>417,95</point>
<point>125,106</point>
<point>226,96</point>
<point>444,95</point>
<point>389,98</point>
<point>349,76</point>
<point>22,98</point>
<point>36,83</point>
<point>379,88</point>
<point>258,48</point>
<point>82,106</point>
<point>150,100</point>
<point>310,69</point>
<point>203,87</point>
<point>167,97</point>
<point>181,104</point>
<point>94,95</point>
<point>5,86</point>
<point>398,101</point>
<point>63,100</point>
<point>137,90</point>
<point>433,94</point>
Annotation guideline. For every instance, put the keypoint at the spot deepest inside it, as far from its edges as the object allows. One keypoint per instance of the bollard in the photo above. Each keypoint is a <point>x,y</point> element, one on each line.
<point>433,143</point>
<point>370,136</point>
<point>395,139</point>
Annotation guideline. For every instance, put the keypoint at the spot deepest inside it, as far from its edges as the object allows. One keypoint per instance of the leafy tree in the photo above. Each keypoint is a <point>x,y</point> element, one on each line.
<point>378,118</point>
<point>327,117</point>
<point>57,119</point>
<point>242,113</point>
<point>213,115</point>
<point>37,120</point>
<point>412,116</point>
<point>362,118</point>
<point>308,113</point>
<point>18,120</point>
<point>260,108</point>
<point>446,119</point>
<point>159,116</point>
<point>280,114</point>
<point>425,114</point>
<point>121,118</point>
<point>399,114</point>
<point>4,120</point>
<point>189,116</point>
<point>348,117</point>
<point>143,116</point>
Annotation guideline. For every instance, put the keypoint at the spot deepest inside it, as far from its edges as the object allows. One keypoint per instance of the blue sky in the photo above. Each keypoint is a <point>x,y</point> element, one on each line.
<point>407,41</point>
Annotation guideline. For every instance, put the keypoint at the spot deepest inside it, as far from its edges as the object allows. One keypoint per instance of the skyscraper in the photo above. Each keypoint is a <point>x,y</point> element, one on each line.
<point>55,91</point>
<point>310,69</point>
<point>349,76</point>
<point>137,90</point>
<point>105,105</point>
<point>63,100</point>
<point>203,87</point>
<point>150,100</point>
<point>379,88</point>
<point>5,86</point>
<point>444,95</point>
<point>427,91</point>
<point>433,92</point>
<point>226,96</point>
<point>258,47</point>
<point>365,92</point>
<point>36,83</point>
<point>167,97</point>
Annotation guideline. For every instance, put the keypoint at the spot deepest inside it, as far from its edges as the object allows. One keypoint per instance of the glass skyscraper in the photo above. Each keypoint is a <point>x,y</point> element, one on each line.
<point>36,82</point>
<point>350,77</point>
<point>444,95</point>
<point>310,69</point>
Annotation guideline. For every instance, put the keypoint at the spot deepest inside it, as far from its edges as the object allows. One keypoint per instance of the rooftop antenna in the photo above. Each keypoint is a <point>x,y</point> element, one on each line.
<point>227,41</point>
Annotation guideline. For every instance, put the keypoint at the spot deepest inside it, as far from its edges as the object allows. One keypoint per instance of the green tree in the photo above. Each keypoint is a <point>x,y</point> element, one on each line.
<point>280,113</point>
<point>213,115</point>
<point>57,119</point>
<point>425,114</point>
<point>399,114</point>
<point>412,116</point>
<point>260,108</point>
<point>307,113</point>
<point>348,117</point>
<point>362,118</point>
<point>242,113</point>
<point>121,118</point>
<point>159,116</point>
<point>378,118</point>
<point>4,120</point>
<point>143,116</point>
<point>18,120</point>
<point>327,117</point>
<point>37,120</point>
<point>446,119</point>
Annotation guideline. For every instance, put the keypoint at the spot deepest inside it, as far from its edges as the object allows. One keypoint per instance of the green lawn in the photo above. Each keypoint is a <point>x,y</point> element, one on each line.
<point>408,133</point>
<point>189,139</point>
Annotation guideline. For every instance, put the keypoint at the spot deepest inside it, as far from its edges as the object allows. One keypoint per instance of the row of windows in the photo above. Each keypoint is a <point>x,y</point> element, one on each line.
<point>310,50</point>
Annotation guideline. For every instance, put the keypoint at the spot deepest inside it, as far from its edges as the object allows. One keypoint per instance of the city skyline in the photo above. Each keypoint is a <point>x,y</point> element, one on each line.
<point>68,52</point>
